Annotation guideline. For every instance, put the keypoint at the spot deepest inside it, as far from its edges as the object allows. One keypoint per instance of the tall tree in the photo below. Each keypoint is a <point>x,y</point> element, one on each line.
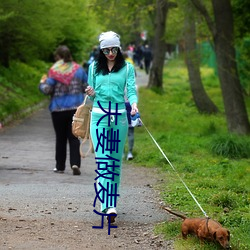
<point>159,44</point>
<point>201,99</point>
<point>223,38</point>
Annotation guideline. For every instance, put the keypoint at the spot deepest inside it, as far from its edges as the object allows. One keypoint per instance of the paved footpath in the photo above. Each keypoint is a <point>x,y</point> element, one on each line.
<point>34,200</point>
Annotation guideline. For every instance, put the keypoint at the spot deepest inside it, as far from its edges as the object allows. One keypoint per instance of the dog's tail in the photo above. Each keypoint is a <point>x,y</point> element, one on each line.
<point>175,213</point>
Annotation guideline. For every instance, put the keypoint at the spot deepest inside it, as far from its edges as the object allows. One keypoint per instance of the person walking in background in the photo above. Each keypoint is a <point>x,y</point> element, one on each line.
<point>92,57</point>
<point>139,56</point>
<point>130,133</point>
<point>127,57</point>
<point>128,108</point>
<point>108,78</point>
<point>65,83</point>
<point>147,54</point>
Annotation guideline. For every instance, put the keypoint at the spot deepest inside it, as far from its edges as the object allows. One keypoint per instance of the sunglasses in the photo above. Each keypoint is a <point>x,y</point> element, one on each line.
<point>106,51</point>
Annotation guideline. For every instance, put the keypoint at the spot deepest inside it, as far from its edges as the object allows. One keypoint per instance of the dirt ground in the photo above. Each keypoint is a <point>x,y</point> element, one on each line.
<point>40,209</point>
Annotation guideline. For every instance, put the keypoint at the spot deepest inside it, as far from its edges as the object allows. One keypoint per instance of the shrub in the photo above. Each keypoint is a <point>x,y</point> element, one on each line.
<point>231,146</point>
<point>223,200</point>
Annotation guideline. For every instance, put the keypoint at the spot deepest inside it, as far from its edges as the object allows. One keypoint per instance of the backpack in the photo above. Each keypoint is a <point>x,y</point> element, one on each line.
<point>81,126</point>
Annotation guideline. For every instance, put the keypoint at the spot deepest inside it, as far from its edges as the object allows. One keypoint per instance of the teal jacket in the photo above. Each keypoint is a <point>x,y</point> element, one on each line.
<point>111,87</point>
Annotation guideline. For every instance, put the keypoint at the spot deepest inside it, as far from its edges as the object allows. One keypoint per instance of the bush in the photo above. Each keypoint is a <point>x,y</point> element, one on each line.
<point>223,200</point>
<point>19,88</point>
<point>231,146</point>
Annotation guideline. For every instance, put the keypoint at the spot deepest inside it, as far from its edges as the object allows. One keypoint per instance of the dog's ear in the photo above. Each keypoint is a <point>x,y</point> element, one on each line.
<point>214,235</point>
<point>228,237</point>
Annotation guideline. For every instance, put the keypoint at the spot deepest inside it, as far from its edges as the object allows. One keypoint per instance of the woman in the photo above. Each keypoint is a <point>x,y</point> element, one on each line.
<point>65,83</point>
<point>108,78</point>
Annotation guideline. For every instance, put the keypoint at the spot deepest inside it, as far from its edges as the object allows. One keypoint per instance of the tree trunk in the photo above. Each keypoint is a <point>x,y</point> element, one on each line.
<point>201,99</point>
<point>235,109</point>
<point>223,38</point>
<point>159,46</point>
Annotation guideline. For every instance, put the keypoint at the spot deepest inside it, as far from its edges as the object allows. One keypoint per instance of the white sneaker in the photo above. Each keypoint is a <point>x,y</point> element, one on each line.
<point>111,210</point>
<point>58,171</point>
<point>129,156</point>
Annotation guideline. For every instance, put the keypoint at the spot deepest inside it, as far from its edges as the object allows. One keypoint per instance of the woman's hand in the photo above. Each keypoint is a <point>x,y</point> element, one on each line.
<point>134,109</point>
<point>43,79</point>
<point>90,91</point>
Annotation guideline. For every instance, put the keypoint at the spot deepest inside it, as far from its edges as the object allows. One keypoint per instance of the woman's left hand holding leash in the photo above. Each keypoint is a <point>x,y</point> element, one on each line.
<point>90,91</point>
<point>134,109</point>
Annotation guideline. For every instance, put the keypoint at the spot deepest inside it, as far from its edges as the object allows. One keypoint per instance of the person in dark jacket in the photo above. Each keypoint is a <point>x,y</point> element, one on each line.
<point>147,54</point>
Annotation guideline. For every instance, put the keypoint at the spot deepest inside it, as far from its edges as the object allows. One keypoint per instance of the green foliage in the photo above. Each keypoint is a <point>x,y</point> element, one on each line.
<point>128,18</point>
<point>175,25</point>
<point>224,200</point>
<point>241,17</point>
<point>29,33</point>
<point>243,59</point>
<point>219,183</point>
<point>231,146</point>
<point>19,87</point>
<point>176,18</point>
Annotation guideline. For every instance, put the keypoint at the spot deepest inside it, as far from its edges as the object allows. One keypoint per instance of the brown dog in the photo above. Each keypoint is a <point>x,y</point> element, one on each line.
<point>204,229</point>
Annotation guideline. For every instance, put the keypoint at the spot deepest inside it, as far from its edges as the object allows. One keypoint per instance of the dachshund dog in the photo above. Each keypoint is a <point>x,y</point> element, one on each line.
<point>204,229</point>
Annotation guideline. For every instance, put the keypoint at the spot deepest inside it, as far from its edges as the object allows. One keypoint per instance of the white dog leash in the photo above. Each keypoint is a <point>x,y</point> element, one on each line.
<point>174,170</point>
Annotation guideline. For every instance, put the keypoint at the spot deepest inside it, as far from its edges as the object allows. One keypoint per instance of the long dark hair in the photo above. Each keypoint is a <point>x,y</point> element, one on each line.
<point>102,67</point>
<point>63,52</point>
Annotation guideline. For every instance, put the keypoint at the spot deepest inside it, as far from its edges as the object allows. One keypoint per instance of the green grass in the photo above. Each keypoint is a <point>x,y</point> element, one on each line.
<point>19,88</point>
<point>214,164</point>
